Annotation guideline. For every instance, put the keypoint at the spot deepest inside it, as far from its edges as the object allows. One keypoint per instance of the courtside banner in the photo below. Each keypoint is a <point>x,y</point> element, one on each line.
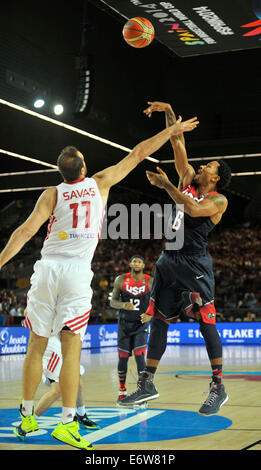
<point>230,333</point>
<point>14,340</point>
<point>197,27</point>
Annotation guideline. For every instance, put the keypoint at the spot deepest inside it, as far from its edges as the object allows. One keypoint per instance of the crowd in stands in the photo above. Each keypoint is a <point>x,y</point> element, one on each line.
<point>236,256</point>
<point>12,306</point>
<point>237,266</point>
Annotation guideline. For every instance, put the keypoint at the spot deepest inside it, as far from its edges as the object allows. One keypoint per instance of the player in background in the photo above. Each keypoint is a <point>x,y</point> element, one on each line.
<point>183,277</point>
<point>131,293</point>
<point>59,300</point>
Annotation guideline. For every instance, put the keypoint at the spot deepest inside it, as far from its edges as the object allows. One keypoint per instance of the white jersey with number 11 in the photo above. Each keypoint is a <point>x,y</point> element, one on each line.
<point>76,222</point>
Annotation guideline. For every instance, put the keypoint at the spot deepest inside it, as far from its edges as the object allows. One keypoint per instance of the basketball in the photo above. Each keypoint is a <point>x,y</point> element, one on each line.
<point>138,32</point>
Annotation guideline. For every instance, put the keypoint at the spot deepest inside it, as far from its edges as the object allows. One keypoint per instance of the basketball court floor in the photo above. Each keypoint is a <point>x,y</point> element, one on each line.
<point>170,422</point>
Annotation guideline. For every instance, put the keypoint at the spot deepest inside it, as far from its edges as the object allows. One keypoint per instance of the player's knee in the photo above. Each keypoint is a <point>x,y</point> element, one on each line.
<point>37,345</point>
<point>140,352</point>
<point>123,364</point>
<point>158,339</point>
<point>71,345</point>
<point>139,355</point>
<point>212,339</point>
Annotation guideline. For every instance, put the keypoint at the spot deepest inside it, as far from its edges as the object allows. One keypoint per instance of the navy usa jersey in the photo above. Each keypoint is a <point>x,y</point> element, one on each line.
<point>137,293</point>
<point>196,229</point>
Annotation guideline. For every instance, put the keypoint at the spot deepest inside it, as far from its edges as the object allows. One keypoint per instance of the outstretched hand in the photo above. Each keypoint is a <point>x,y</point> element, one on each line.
<point>156,106</point>
<point>186,126</point>
<point>157,179</point>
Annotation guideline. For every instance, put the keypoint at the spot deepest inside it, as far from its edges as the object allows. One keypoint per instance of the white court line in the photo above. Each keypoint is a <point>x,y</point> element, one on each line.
<point>127,423</point>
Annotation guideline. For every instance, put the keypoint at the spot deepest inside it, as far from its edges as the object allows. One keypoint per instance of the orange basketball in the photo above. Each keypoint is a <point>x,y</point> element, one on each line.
<point>138,32</point>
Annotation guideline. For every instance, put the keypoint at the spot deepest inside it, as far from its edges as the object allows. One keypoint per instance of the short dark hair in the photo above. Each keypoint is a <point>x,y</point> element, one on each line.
<point>69,163</point>
<point>224,172</point>
<point>137,256</point>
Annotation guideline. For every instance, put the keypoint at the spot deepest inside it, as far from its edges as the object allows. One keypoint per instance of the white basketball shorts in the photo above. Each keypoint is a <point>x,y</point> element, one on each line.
<point>60,295</point>
<point>52,361</point>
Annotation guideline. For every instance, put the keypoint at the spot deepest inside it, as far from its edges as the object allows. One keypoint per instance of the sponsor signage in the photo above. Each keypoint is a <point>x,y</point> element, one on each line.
<point>230,333</point>
<point>198,27</point>
<point>14,340</point>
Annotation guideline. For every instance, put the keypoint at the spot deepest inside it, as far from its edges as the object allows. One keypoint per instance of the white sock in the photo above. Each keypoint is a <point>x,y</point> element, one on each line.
<point>27,407</point>
<point>67,415</point>
<point>80,410</point>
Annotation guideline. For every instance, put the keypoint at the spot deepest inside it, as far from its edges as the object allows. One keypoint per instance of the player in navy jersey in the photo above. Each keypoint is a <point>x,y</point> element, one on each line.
<point>183,278</point>
<point>131,294</point>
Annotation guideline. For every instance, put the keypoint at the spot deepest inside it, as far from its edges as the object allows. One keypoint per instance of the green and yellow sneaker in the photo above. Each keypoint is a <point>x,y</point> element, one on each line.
<point>86,422</point>
<point>28,424</point>
<point>68,433</point>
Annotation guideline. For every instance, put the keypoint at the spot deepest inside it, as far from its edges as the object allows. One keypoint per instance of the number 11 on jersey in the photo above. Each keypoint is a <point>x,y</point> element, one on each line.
<point>75,207</point>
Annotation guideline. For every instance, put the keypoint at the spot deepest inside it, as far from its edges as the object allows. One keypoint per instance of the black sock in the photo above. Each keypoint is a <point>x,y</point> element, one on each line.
<point>150,369</point>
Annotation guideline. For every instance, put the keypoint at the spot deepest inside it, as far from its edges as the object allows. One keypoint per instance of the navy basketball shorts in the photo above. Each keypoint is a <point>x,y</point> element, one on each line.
<point>132,336</point>
<point>179,273</point>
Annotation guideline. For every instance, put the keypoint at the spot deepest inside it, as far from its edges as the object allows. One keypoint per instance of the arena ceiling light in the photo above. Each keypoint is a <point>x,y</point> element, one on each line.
<point>39,103</point>
<point>83,91</point>
<point>58,109</point>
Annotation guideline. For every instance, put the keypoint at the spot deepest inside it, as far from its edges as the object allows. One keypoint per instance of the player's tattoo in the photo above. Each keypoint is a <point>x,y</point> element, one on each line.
<point>219,200</point>
<point>171,119</point>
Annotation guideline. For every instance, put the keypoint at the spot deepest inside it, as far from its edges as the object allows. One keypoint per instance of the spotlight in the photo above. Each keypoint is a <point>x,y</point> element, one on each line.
<point>39,103</point>
<point>58,109</point>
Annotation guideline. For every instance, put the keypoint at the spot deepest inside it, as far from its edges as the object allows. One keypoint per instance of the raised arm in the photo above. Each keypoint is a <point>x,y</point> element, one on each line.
<point>115,301</point>
<point>185,171</point>
<point>42,211</point>
<point>114,174</point>
<point>170,117</point>
<point>212,206</point>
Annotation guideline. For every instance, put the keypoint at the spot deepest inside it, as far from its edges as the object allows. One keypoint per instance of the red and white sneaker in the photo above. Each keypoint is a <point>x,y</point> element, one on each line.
<point>122,393</point>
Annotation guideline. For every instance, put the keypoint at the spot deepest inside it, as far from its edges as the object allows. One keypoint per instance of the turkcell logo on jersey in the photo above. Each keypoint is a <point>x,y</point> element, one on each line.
<point>64,235</point>
<point>13,340</point>
<point>118,426</point>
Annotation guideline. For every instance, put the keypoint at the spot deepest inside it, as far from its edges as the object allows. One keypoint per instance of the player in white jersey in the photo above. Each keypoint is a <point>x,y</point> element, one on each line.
<point>60,293</point>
